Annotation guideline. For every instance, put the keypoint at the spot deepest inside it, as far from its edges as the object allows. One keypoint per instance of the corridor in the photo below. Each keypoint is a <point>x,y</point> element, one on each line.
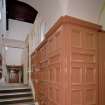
<point>52,52</point>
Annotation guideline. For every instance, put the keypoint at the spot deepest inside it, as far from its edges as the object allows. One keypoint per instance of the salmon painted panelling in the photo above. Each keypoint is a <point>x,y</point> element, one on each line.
<point>65,65</point>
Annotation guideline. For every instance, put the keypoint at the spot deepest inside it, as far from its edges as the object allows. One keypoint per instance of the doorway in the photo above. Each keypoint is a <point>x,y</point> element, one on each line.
<point>15,74</point>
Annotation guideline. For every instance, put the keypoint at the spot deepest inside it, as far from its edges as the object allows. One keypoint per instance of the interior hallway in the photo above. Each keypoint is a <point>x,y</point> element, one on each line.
<point>37,38</point>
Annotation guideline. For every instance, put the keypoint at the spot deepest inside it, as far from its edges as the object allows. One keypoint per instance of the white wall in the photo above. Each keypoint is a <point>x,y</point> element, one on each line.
<point>85,9</point>
<point>102,17</point>
<point>18,30</point>
<point>2,17</point>
<point>48,13</point>
<point>51,10</point>
<point>13,56</point>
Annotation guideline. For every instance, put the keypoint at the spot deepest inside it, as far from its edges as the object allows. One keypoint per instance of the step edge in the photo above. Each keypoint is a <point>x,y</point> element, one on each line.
<point>16,99</point>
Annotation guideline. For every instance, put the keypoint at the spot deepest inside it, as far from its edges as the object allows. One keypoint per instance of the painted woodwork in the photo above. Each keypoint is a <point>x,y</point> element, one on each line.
<point>65,65</point>
<point>101,49</point>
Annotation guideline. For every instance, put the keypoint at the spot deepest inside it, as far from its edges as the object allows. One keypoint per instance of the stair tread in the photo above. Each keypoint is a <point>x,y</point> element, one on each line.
<point>16,94</point>
<point>19,93</point>
<point>13,88</point>
<point>15,99</point>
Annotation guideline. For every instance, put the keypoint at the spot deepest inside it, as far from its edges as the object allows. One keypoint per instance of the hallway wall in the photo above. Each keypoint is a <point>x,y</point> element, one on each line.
<point>13,56</point>
<point>102,17</point>
<point>86,9</point>
<point>17,30</point>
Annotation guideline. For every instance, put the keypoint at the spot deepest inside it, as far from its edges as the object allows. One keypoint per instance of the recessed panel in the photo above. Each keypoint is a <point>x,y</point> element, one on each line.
<point>76,97</point>
<point>76,75</point>
<point>58,39</point>
<point>51,44</point>
<point>89,40</point>
<point>78,57</point>
<point>57,96</point>
<point>57,73</point>
<point>90,75</point>
<point>76,38</point>
<point>91,97</point>
<point>90,58</point>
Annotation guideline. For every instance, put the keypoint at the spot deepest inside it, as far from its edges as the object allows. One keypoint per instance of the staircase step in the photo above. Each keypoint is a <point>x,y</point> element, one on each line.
<point>14,95</point>
<point>8,90</point>
<point>13,87</point>
<point>19,93</point>
<point>16,100</point>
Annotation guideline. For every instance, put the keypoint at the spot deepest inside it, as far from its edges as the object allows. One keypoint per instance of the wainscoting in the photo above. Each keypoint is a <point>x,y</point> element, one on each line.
<point>68,66</point>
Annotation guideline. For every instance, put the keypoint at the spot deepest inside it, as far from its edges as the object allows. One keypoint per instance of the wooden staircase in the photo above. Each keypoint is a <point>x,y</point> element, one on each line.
<point>16,95</point>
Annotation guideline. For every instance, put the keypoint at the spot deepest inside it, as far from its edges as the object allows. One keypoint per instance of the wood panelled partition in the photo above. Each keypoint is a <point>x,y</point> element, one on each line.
<point>101,44</point>
<point>65,65</point>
